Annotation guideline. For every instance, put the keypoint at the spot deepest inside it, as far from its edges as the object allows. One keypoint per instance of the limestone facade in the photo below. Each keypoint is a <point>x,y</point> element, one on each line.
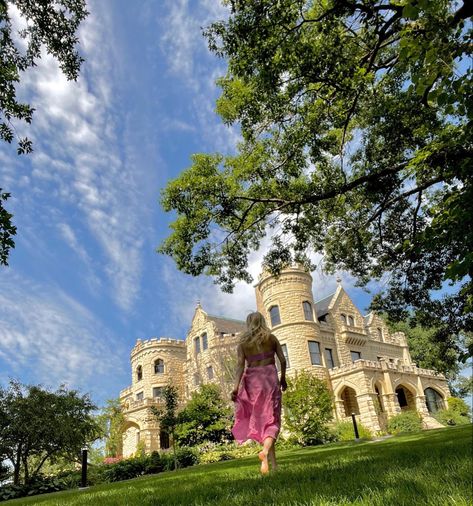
<point>368,370</point>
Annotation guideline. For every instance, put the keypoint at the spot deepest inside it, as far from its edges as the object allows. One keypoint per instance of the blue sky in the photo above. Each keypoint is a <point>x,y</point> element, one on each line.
<point>84,280</point>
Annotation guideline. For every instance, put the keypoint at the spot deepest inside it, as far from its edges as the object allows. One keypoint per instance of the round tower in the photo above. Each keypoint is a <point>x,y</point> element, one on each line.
<point>287,303</point>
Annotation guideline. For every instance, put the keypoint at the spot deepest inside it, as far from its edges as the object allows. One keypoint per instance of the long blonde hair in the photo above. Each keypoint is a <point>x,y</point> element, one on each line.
<point>257,332</point>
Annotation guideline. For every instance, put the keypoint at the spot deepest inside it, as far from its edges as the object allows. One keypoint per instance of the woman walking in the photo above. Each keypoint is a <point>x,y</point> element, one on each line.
<point>257,392</point>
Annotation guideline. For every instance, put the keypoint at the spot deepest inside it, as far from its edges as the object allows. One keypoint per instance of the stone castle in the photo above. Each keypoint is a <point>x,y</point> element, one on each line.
<point>368,369</point>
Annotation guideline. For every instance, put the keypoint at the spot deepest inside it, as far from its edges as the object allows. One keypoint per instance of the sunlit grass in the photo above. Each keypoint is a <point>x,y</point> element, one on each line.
<point>426,469</point>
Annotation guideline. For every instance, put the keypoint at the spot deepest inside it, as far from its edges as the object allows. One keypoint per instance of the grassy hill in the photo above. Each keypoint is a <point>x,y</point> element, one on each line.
<point>428,468</point>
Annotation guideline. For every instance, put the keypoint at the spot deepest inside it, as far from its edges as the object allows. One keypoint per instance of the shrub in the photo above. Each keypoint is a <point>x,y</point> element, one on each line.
<point>155,464</point>
<point>343,431</point>
<point>459,406</point>
<point>126,469</point>
<point>40,485</point>
<point>308,409</point>
<point>407,421</point>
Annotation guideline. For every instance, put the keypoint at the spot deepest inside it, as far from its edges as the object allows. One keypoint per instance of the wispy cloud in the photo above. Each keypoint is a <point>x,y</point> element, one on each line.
<point>50,338</point>
<point>81,160</point>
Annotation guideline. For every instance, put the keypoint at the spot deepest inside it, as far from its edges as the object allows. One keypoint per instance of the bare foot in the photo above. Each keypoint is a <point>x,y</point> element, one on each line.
<point>264,462</point>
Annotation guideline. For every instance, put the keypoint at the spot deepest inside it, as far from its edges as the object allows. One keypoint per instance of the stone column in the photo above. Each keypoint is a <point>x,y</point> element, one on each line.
<point>339,409</point>
<point>391,405</point>
<point>368,416</point>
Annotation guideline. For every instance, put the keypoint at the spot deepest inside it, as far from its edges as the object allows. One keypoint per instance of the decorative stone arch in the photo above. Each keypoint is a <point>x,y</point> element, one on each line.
<point>131,434</point>
<point>158,365</point>
<point>444,392</point>
<point>434,399</point>
<point>350,402</point>
<point>346,383</point>
<point>406,395</point>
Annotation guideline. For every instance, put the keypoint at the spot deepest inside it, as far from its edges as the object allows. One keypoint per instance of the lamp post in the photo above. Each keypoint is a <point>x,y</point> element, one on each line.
<point>84,468</point>
<point>355,427</point>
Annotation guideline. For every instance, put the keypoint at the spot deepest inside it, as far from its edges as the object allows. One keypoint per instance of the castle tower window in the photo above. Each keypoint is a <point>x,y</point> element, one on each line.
<point>286,355</point>
<point>210,372</point>
<point>274,315</point>
<point>139,373</point>
<point>329,358</point>
<point>205,343</point>
<point>343,317</point>
<point>351,321</point>
<point>380,333</point>
<point>314,350</point>
<point>157,392</point>
<point>355,355</point>
<point>308,313</point>
<point>139,396</point>
<point>197,345</point>
<point>159,366</point>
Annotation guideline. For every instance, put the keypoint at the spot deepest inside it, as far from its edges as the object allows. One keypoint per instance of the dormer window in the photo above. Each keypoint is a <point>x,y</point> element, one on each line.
<point>205,343</point>
<point>351,321</point>
<point>159,366</point>
<point>139,373</point>
<point>274,316</point>
<point>308,313</point>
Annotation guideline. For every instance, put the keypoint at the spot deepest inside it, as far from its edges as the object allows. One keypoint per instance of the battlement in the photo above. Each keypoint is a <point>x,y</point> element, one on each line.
<point>157,341</point>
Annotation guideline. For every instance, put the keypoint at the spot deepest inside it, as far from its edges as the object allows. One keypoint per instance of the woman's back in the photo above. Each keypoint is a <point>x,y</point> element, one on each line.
<point>260,354</point>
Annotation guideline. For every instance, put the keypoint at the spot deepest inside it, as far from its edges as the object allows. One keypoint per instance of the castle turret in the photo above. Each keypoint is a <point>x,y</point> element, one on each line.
<point>286,301</point>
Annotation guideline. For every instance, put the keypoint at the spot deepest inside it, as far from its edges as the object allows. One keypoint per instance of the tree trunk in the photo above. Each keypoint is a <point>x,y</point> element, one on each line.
<point>17,466</point>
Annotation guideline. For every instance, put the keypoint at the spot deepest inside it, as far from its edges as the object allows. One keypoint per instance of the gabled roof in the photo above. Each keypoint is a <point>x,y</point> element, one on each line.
<point>321,306</point>
<point>227,325</point>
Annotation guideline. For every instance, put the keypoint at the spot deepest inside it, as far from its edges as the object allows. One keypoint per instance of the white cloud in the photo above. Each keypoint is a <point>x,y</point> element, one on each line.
<point>80,159</point>
<point>47,337</point>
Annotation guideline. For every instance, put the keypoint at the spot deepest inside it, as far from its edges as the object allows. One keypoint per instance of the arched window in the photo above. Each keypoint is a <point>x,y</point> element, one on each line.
<point>210,372</point>
<point>274,315</point>
<point>351,321</point>
<point>205,343</point>
<point>159,366</point>
<point>343,317</point>
<point>139,373</point>
<point>308,313</point>
<point>380,333</point>
<point>433,400</point>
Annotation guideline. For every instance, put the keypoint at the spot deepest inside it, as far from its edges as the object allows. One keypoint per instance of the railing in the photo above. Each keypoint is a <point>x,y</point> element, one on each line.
<point>135,404</point>
<point>377,365</point>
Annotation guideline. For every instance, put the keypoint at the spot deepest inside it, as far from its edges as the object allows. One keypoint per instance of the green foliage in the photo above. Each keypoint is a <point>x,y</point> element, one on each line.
<point>458,413</point>
<point>7,230</point>
<point>205,418</point>
<point>463,387</point>
<point>407,421</point>
<point>37,425</point>
<point>356,144</point>
<point>458,406</point>
<point>111,420</point>
<point>344,431</point>
<point>39,485</point>
<point>308,409</point>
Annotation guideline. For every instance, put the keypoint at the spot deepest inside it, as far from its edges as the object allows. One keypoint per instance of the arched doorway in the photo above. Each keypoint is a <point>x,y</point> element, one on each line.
<point>350,404</point>
<point>405,398</point>
<point>130,438</point>
<point>433,400</point>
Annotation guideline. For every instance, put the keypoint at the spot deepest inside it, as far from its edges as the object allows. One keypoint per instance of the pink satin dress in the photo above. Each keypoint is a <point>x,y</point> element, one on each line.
<point>258,404</point>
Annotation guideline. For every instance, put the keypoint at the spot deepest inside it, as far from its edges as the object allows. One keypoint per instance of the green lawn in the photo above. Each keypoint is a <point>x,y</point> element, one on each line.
<point>428,468</point>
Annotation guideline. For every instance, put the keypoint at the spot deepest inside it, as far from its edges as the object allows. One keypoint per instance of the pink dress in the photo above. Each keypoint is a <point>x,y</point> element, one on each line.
<point>258,404</point>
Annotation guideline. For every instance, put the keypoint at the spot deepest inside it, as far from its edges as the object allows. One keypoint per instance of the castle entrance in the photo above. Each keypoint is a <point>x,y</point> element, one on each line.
<point>350,404</point>
<point>405,398</point>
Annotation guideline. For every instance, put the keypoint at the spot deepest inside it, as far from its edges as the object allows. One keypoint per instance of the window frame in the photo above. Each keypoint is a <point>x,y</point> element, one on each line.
<point>330,356</point>
<point>274,306</point>
<point>312,353</point>
<point>157,366</point>
<point>285,352</point>
<point>197,345</point>
<point>308,311</point>
<point>352,352</point>
<point>205,341</point>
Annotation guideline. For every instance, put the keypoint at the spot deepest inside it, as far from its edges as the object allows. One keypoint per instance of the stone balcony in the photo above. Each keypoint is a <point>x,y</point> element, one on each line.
<point>353,335</point>
<point>133,405</point>
<point>374,365</point>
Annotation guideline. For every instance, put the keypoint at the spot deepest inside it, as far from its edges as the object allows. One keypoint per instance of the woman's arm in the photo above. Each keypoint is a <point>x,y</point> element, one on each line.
<point>282,361</point>
<point>239,371</point>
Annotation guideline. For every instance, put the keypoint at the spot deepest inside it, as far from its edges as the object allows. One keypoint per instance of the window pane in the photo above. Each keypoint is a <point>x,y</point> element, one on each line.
<point>314,350</point>
<point>308,314</point>
<point>139,396</point>
<point>329,358</point>
<point>343,318</point>
<point>274,315</point>
<point>159,366</point>
<point>355,355</point>
<point>139,373</point>
<point>210,372</point>
<point>157,391</point>
<point>197,344</point>
<point>204,341</point>
<point>286,355</point>
<point>351,321</point>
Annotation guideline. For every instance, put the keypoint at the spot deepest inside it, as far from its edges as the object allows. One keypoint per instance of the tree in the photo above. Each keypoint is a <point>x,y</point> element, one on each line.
<point>167,417</point>
<point>356,144</point>
<point>205,418</point>
<point>308,409</point>
<point>37,425</point>
<point>50,24</point>
<point>112,419</point>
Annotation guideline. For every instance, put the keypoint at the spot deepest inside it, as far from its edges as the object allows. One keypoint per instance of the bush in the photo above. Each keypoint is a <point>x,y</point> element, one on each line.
<point>451,418</point>
<point>343,431</point>
<point>407,421</point>
<point>126,469</point>
<point>155,464</point>
<point>40,485</point>
<point>459,406</point>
